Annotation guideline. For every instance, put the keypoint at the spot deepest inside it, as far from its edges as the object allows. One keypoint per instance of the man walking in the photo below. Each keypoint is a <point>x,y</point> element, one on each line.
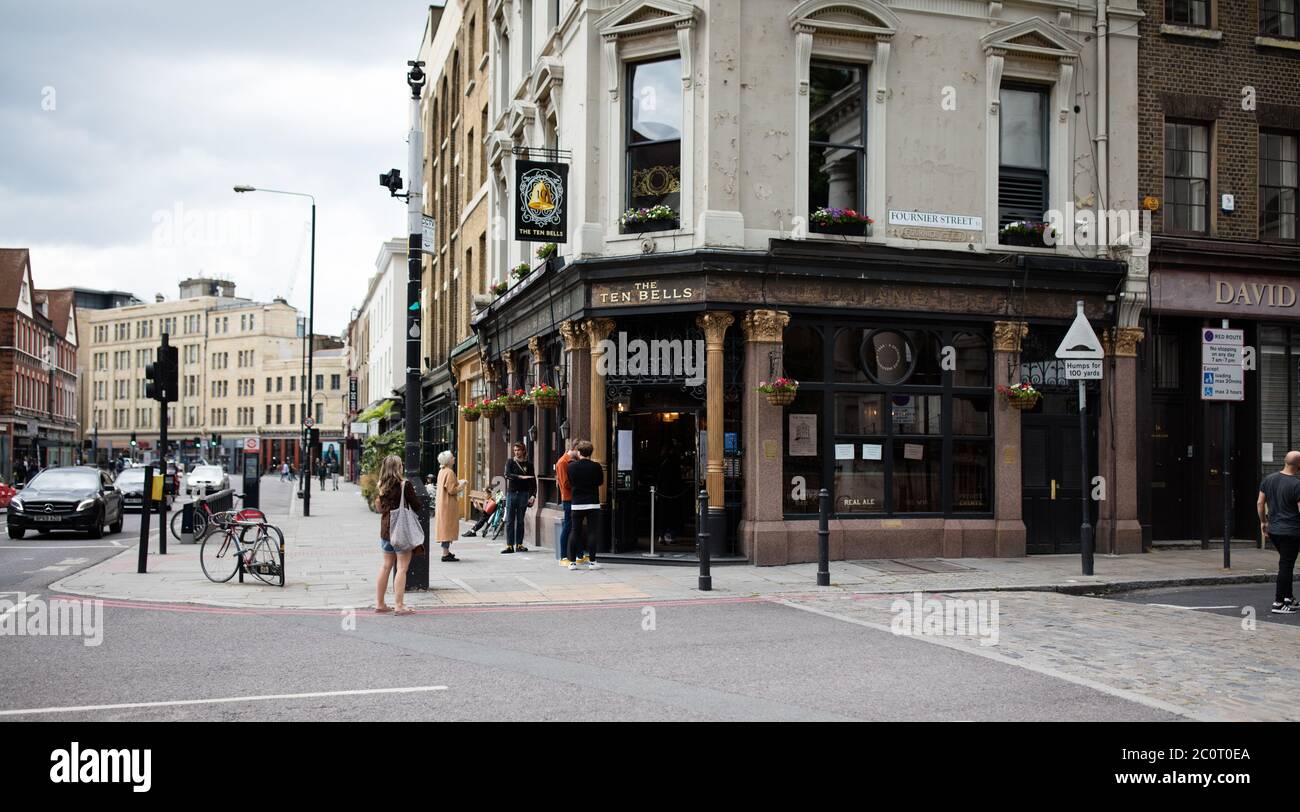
<point>566,500</point>
<point>1279,521</point>
<point>585,478</point>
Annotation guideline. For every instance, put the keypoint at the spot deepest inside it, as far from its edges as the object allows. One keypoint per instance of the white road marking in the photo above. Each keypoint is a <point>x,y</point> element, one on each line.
<point>116,543</point>
<point>1174,606</point>
<point>18,605</point>
<point>224,699</point>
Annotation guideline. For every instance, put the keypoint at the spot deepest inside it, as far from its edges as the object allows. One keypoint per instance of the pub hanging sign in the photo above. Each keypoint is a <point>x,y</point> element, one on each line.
<point>542,201</point>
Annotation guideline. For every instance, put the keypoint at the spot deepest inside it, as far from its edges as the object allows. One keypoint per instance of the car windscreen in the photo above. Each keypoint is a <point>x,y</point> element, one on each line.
<point>66,480</point>
<point>131,476</point>
<point>207,472</point>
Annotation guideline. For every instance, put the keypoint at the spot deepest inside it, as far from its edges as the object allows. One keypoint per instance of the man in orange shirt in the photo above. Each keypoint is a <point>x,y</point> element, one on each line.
<point>566,499</point>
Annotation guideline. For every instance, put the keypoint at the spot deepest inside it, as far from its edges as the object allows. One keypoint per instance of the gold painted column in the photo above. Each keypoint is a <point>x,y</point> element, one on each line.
<point>597,331</point>
<point>714,324</point>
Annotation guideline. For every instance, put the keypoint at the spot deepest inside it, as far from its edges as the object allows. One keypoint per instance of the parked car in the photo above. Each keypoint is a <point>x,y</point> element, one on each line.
<point>206,479</point>
<point>130,483</point>
<point>74,498</point>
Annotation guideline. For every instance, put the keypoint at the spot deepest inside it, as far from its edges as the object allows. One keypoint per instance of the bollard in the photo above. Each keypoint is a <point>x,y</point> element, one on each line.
<point>824,538</point>
<point>702,536</point>
<point>145,510</point>
<point>652,553</point>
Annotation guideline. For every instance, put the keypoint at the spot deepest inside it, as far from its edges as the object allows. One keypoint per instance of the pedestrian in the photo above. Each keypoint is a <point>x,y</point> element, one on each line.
<point>284,472</point>
<point>520,486</point>
<point>324,473</point>
<point>585,479</point>
<point>566,502</point>
<point>446,524</point>
<point>393,489</point>
<point>334,474</point>
<point>490,505</point>
<point>1278,506</point>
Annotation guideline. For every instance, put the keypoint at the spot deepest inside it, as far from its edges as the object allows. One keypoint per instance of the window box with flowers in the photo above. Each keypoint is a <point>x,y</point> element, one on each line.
<point>655,218</point>
<point>1026,233</point>
<point>1022,396</point>
<point>513,402</point>
<point>471,412</point>
<point>779,392</point>
<point>844,222</point>
<point>545,396</point>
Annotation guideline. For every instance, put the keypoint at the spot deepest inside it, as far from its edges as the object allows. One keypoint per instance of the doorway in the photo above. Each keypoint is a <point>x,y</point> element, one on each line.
<point>655,449</point>
<point>1050,486</point>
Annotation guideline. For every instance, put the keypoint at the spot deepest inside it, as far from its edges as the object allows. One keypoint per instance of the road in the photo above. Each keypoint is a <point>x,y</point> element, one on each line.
<point>1228,599</point>
<point>34,562</point>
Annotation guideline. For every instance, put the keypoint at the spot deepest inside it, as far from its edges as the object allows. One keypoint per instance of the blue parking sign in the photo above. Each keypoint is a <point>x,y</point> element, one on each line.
<point>1209,377</point>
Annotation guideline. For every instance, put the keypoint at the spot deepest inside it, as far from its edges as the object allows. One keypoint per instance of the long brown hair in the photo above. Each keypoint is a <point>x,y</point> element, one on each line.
<point>390,474</point>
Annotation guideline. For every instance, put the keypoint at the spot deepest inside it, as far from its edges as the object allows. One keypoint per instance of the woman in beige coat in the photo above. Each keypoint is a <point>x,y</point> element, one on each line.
<point>446,524</point>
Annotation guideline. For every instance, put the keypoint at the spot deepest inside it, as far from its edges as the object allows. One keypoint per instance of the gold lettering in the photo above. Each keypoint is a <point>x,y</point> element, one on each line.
<point>644,295</point>
<point>1223,293</point>
<point>1288,296</point>
<point>687,291</point>
<point>1259,291</point>
<point>1243,293</point>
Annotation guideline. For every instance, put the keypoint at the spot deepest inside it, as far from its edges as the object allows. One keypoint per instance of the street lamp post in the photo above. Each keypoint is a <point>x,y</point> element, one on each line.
<point>311,326</point>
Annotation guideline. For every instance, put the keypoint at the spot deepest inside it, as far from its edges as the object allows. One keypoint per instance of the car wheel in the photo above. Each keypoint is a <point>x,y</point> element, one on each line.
<point>17,532</point>
<point>97,530</point>
<point>116,527</point>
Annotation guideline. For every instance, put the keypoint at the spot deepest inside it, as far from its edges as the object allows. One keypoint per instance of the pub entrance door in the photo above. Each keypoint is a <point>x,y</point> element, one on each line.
<point>654,448</point>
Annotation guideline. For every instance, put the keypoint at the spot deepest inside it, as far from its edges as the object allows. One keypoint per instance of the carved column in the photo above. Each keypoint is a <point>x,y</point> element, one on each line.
<point>762,530</point>
<point>714,324</point>
<point>577,386</point>
<point>1010,527</point>
<point>597,331</point>
<point>1118,527</point>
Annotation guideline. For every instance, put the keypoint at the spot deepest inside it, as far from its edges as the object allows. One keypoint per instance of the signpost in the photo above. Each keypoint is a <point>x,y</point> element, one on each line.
<point>1081,350</point>
<point>1223,378</point>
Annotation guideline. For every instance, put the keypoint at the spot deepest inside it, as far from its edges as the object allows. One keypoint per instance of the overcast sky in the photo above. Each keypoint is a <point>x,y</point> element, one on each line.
<point>124,125</point>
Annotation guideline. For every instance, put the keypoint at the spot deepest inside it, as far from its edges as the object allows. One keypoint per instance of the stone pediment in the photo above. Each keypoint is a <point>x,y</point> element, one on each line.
<point>636,17</point>
<point>1034,37</point>
<point>845,18</point>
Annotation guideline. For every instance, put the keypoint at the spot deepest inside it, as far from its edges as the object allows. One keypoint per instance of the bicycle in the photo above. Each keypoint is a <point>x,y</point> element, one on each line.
<point>262,556</point>
<point>202,521</point>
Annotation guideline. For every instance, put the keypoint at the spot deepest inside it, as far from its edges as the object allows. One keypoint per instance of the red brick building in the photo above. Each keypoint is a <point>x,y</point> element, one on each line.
<point>1219,128</point>
<point>38,369</point>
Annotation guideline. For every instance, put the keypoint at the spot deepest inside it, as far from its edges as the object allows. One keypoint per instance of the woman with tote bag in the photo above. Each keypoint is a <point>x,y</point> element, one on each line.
<point>398,504</point>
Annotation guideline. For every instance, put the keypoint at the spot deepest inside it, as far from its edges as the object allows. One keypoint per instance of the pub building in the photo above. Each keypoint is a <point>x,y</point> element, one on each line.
<point>899,354</point>
<point>1196,284</point>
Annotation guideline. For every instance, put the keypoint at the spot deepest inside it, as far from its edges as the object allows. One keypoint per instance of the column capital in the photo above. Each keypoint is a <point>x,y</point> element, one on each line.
<point>714,323</point>
<point>597,331</point>
<point>1007,335</point>
<point>765,325</point>
<point>1121,342</point>
<point>510,364</point>
<point>573,335</point>
<point>535,347</point>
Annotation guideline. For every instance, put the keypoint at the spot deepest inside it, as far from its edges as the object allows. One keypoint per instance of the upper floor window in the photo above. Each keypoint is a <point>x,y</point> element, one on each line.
<point>1187,177</point>
<point>1023,154</point>
<point>1277,18</point>
<point>1278,161</point>
<point>1188,12</point>
<point>654,134</point>
<point>837,119</point>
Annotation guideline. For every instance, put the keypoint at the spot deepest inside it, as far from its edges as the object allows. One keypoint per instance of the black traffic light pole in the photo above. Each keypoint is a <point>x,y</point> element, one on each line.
<point>161,379</point>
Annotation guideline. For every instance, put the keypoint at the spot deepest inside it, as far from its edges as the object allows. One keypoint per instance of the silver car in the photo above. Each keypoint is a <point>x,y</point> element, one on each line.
<point>206,479</point>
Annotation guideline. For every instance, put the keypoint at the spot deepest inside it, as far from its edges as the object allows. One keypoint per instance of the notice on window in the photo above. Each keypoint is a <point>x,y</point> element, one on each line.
<point>871,452</point>
<point>803,435</point>
<point>844,451</point>
<point>1266,452</point>
<point>624,449</point>
<point>913,451</point>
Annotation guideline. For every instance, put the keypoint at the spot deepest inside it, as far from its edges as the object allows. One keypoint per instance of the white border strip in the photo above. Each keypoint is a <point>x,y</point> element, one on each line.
<point>227,699</point>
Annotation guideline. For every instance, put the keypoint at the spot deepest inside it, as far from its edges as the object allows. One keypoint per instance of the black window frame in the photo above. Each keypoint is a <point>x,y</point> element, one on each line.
<point>1295,190</point>
<point>629,147</point>
<point>947,390</point>
<point>1010,214</point>
<point>1187,16</point>
<point>1209,172</point>
<point>864,69</point>
<point>1277,16</point>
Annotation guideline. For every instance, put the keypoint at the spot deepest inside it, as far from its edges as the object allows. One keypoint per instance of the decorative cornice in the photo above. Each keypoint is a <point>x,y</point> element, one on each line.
<point>672,14</point>
<point>535,348</point>
<point>883,22</point>
<point>765,325</point>
<point>573,335</point>
<point>714,323</point>
<point>1122,342</point>
<point>597,331</point>
<point>1007,335</point>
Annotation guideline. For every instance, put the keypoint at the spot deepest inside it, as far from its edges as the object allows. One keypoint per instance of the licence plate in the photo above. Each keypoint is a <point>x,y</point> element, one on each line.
<point>47,518</point>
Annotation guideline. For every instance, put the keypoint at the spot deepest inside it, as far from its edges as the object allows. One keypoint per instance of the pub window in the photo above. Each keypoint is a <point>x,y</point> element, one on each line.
<point>801,355</point>
<point>1277,18</point>
<point>1277,186</point>
<point>1023,154</point>
<point>1188,12</point>
<point>654,134</point>
<point>803,430</point>
<point>1187,172</point>
<point>837,125</point>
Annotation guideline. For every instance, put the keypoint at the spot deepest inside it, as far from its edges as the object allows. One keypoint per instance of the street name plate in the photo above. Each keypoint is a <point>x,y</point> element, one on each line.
<point>1083,370</point>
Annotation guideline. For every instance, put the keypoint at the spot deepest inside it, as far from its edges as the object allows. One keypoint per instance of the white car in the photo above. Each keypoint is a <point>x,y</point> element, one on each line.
<point>206,479</point>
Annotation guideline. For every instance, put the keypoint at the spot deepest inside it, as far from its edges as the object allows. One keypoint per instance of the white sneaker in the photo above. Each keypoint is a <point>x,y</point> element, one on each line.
<point>593,566</point>
<point>573,567</point>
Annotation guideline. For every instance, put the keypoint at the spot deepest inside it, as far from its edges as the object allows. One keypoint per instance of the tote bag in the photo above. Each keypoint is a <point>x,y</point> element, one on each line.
<point>404,531</point>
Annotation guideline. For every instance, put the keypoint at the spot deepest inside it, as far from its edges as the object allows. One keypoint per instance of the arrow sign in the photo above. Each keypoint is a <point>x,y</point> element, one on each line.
<point>1080,341</point>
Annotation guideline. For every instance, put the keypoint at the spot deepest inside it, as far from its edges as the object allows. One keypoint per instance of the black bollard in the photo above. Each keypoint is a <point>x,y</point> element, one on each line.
<point>145,509</point>
<point>702,536</point>
<point>824,538</point>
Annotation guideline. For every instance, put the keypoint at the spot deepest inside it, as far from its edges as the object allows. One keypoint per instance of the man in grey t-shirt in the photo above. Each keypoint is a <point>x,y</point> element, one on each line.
<point>1279,521</point>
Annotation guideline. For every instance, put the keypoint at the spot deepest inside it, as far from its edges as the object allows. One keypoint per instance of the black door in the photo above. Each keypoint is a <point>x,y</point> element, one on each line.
<point>1050,484</point>
<point>1176,498</point>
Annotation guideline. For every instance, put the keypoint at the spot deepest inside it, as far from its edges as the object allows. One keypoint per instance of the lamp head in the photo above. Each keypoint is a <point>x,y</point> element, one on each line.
<point>245,189</point>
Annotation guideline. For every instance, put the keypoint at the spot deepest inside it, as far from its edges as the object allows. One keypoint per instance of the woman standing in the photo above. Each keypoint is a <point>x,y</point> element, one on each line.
<point>447,513</point>
<point>520,485</point>
<point>393,488</point>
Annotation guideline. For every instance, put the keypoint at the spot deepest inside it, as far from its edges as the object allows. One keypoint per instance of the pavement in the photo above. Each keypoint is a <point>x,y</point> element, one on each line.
<point>332,559</point>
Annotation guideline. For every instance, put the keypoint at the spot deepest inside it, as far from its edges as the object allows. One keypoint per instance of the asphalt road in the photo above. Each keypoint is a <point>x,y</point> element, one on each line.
<point>1227,599</point>
<point>34,562</point>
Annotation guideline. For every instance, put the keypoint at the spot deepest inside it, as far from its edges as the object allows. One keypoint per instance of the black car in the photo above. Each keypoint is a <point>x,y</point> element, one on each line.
<point>130,483</point>
<point>79,498</point>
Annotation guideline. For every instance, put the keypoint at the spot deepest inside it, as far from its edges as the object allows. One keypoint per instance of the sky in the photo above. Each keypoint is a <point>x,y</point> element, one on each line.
<point>124,126</point>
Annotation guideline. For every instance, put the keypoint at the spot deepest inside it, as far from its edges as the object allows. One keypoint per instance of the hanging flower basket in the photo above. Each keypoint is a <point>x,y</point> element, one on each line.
<point>489,408</point>
<point>471,413</point>
<point>545,396</point>
<point>514,402</point>
<point>1023,396</point>
<point>779,392</point>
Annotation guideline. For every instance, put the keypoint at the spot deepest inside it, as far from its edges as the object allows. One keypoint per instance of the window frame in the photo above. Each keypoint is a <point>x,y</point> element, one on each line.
<point>629,73</point>
<point>1045,92</point>
<point>1295,161</point>
<point>864,101</point>
<point>1209,175</point>
<point>1279,13</point>
<point>1190,4</point>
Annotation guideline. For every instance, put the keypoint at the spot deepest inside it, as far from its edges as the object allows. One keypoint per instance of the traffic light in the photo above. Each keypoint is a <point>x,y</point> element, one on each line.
<point>392,181</point>
<point>161,377</point>
<point>313,438</point>
<point>198,442</point>
<point>216,440</point>
<point>133,442</point>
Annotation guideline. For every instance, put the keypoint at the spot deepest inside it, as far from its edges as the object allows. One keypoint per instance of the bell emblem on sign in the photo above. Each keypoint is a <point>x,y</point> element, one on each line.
<point>540,198</point>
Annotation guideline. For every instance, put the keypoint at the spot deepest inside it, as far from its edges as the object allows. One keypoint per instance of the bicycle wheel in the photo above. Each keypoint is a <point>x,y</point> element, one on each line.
<point>176,524</point>
<point>265,559</point>
<point>219,558</point>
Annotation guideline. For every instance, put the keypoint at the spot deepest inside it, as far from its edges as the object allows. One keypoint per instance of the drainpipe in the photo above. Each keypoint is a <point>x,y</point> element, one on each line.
<point>1103,123</point>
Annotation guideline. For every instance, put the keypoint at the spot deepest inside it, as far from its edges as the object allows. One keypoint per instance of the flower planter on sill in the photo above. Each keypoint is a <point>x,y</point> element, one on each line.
<point>650,225</point>
<point>1022,240</point>
<point>844,229</point>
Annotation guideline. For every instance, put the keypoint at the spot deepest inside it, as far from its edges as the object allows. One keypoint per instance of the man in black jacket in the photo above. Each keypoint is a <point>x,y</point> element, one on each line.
<point>585,477</point>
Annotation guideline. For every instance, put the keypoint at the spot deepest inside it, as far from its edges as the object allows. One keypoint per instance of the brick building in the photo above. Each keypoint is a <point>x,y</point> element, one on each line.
<point>38,369</point>
<point>1219,122</point>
